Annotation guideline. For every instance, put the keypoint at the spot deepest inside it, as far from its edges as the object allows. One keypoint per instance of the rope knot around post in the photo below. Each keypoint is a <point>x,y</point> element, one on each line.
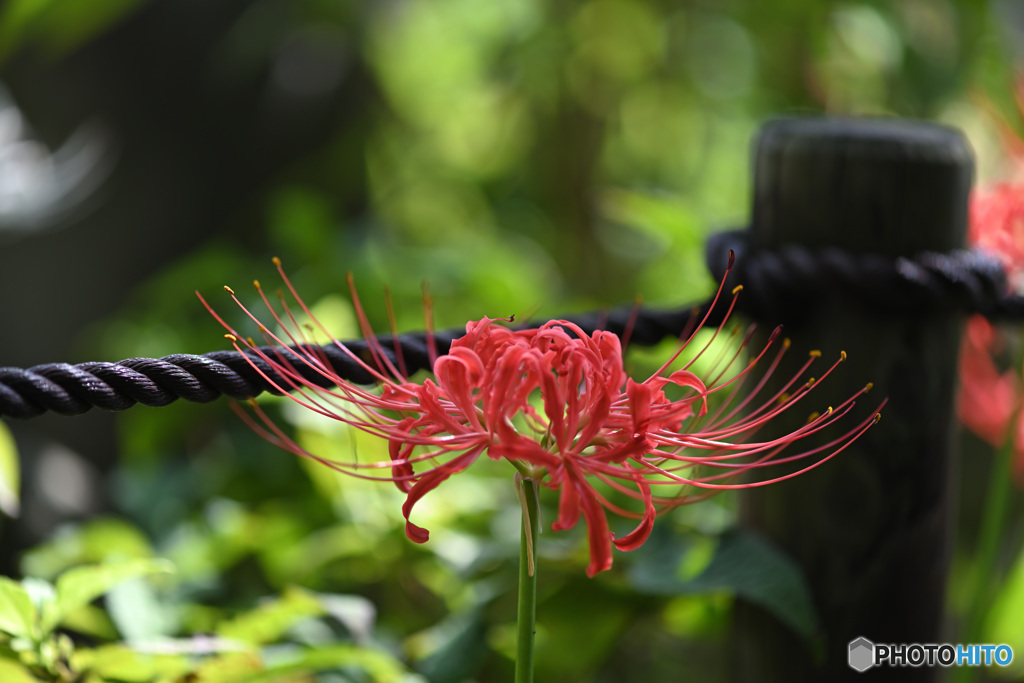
<point>787,283</point>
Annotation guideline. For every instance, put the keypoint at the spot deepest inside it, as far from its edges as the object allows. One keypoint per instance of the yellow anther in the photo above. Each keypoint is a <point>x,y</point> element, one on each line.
<point>251,342</point>
<point>276,261</point>
<point>228,290</point>
<point>737,289</point>
<point>256,284</point>
<point>829,411</point>
<point>867,387</point>
<point>786,343</point>
<point>878,416</point>
<point>810,383</point>
<point>783,398</point>
<point>813,416</point>
<point>815,353</point>
<point>231,337</point>
<point>842,355</point>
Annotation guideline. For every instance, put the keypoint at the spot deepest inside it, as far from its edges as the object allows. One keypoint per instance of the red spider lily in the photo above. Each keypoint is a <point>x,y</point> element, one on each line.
<point>996,221</point>
<point>997,226</point>
<point>997,214</point>
<point>556,403</point>
<point>989,399</point>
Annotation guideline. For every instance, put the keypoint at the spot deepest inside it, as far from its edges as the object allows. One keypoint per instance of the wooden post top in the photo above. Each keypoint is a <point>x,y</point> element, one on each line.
<point>876,185</point>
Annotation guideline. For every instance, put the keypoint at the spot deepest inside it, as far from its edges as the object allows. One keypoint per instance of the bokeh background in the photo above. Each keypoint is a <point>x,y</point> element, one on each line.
<point>534,157</point>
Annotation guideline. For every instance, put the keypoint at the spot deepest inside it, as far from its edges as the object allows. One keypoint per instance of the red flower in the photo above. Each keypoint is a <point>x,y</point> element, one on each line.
<point>989,400</point>
<point>997,226</point>
<point>987,396</point>
<point>556,403</point>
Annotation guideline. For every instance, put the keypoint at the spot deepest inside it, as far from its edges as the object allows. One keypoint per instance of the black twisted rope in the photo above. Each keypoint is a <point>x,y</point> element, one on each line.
<point>73,389</point>
<point>782,284</point>
<point>779,285</point>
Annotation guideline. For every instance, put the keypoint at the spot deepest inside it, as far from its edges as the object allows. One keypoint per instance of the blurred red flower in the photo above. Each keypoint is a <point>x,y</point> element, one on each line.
<point>996,225</point>
<point>989,398</point>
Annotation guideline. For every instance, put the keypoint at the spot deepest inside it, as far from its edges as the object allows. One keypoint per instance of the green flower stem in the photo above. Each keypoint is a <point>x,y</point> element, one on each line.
<point>527,617</point>
<point>993,523</point>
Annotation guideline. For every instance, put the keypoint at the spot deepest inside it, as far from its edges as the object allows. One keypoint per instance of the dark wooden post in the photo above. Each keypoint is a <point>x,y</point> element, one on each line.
<point>870,528</point>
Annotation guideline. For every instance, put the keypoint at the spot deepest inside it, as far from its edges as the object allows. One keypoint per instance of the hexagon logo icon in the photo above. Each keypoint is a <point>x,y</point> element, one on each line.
<point>862,654</point>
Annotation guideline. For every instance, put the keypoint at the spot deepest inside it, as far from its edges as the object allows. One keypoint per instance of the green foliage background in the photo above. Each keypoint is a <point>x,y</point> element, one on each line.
<point>520,156</point>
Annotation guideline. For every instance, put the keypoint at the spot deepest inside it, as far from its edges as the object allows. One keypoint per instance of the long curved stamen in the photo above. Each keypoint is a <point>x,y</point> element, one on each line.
<point>707,315</point>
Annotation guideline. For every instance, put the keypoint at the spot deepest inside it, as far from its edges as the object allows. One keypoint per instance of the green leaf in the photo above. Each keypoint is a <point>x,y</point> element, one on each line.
<point>92,621</point>
<point>231,667</point>
<point>121,663</point>
<point>98,541</point>
<point>14,672</point>
<point>269,621</point>
<point>1003,622</point>
<point>9,473</point>
<point>82,585</point>
<point>139,613</point>
<point>744,564</point>
<point>17,613</point>
<point>380,666</point>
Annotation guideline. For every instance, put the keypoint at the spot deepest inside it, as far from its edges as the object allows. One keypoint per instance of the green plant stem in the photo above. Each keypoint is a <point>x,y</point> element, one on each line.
<point>527,615</point>
<point>990,533</point>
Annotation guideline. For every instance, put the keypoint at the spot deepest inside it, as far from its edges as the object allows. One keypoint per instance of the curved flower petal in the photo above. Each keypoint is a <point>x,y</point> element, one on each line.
<point>583,499</point>
<point>640,534</point>
<point>427,483</point>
